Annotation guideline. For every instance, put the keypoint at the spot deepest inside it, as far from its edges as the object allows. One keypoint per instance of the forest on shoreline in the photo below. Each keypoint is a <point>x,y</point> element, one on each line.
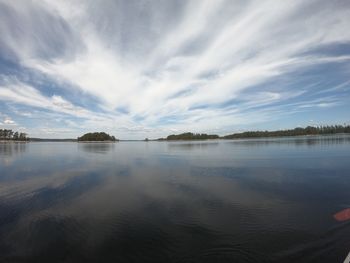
<point>10,135</point>
<point>309,130</point>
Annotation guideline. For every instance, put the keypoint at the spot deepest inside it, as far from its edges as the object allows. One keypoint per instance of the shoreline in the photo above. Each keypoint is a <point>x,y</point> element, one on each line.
<point>180,140</point>
<point>13,141</point>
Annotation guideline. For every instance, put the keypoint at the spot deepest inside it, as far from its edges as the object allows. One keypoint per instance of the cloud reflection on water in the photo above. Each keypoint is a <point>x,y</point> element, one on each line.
<point>131,204</point>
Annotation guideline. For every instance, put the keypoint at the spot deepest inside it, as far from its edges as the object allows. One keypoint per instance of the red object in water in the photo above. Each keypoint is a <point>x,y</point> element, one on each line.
<point>343,215</point>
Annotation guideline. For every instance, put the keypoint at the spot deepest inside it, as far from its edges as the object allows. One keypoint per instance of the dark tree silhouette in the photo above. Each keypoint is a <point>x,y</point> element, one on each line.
<point>192,136</point>
<point>309,130</point>
<point>96,136</point>
<point>10,135</point>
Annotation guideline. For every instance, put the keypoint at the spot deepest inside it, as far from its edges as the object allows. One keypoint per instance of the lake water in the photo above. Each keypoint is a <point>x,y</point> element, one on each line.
<point>260,200</point>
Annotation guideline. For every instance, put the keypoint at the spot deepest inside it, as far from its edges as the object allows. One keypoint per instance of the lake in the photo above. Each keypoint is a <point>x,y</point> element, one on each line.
<point>256,200</point>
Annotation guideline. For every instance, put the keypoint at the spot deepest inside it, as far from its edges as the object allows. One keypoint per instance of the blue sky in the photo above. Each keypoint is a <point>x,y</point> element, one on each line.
<point>141,68</point>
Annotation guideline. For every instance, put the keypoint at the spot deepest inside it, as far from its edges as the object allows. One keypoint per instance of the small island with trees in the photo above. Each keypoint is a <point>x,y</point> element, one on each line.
<point>190,136</point>
<point>10,135</point>
<point>97,137</point>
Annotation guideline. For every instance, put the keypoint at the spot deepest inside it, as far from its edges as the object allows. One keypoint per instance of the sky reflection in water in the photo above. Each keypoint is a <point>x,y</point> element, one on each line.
<point>210,201</point>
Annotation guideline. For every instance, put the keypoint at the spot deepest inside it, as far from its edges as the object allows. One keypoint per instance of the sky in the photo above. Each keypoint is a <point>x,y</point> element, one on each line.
<point>150,68</point>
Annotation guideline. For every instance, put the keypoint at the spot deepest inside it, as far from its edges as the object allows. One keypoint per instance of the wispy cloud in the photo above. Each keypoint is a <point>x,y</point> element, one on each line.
<point>23,94</point>
<point>154,67</point>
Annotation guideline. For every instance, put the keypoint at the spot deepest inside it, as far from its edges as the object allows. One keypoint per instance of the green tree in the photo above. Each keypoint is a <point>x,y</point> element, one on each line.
<point>23,136</point>
<point>192,136</point>
<point>97,136</point>
<point>16,136</point>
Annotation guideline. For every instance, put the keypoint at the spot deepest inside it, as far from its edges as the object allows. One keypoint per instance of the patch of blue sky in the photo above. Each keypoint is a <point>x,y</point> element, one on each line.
<point>311,80</point>
<point>183,93</point>
<point>13,72</point>
<point>333,49</point>
<point>200,107</point>
<point>138,118</point>
<point>122,110</point>
<point>169,119</point>
<point>30,112</point>
<point>8,67</point>
<point>234,102</point>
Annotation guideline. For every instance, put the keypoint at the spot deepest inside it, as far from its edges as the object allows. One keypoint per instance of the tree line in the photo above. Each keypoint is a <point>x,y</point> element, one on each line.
<point>7,134</point>
<point>309,130</point>
<point>10,135</point>
<point>191,136</point>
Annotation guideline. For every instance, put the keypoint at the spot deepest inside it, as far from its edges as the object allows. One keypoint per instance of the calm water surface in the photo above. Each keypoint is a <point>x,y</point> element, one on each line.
<point>207,201</point>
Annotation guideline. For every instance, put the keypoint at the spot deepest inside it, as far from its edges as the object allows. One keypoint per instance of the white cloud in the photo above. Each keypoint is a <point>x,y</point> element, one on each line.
<point>212,52</point>
<point>24,94</point>
<point>9,121</point>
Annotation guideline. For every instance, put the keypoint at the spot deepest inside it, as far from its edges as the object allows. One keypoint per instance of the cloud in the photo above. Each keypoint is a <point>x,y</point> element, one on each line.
<point>161,66</point>
<point>23,94</point>
<point>30,30</point>
<point>9,121</point>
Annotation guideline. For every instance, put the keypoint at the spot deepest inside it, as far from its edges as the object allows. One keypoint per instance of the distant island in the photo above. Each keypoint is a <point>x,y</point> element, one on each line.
<point>309,130</point>
<point>190,136</point>
<point>10,135</point>
<point>96,137</point>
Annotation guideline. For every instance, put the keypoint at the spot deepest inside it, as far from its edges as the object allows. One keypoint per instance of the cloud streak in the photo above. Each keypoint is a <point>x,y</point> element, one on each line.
<point>169,65</point>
